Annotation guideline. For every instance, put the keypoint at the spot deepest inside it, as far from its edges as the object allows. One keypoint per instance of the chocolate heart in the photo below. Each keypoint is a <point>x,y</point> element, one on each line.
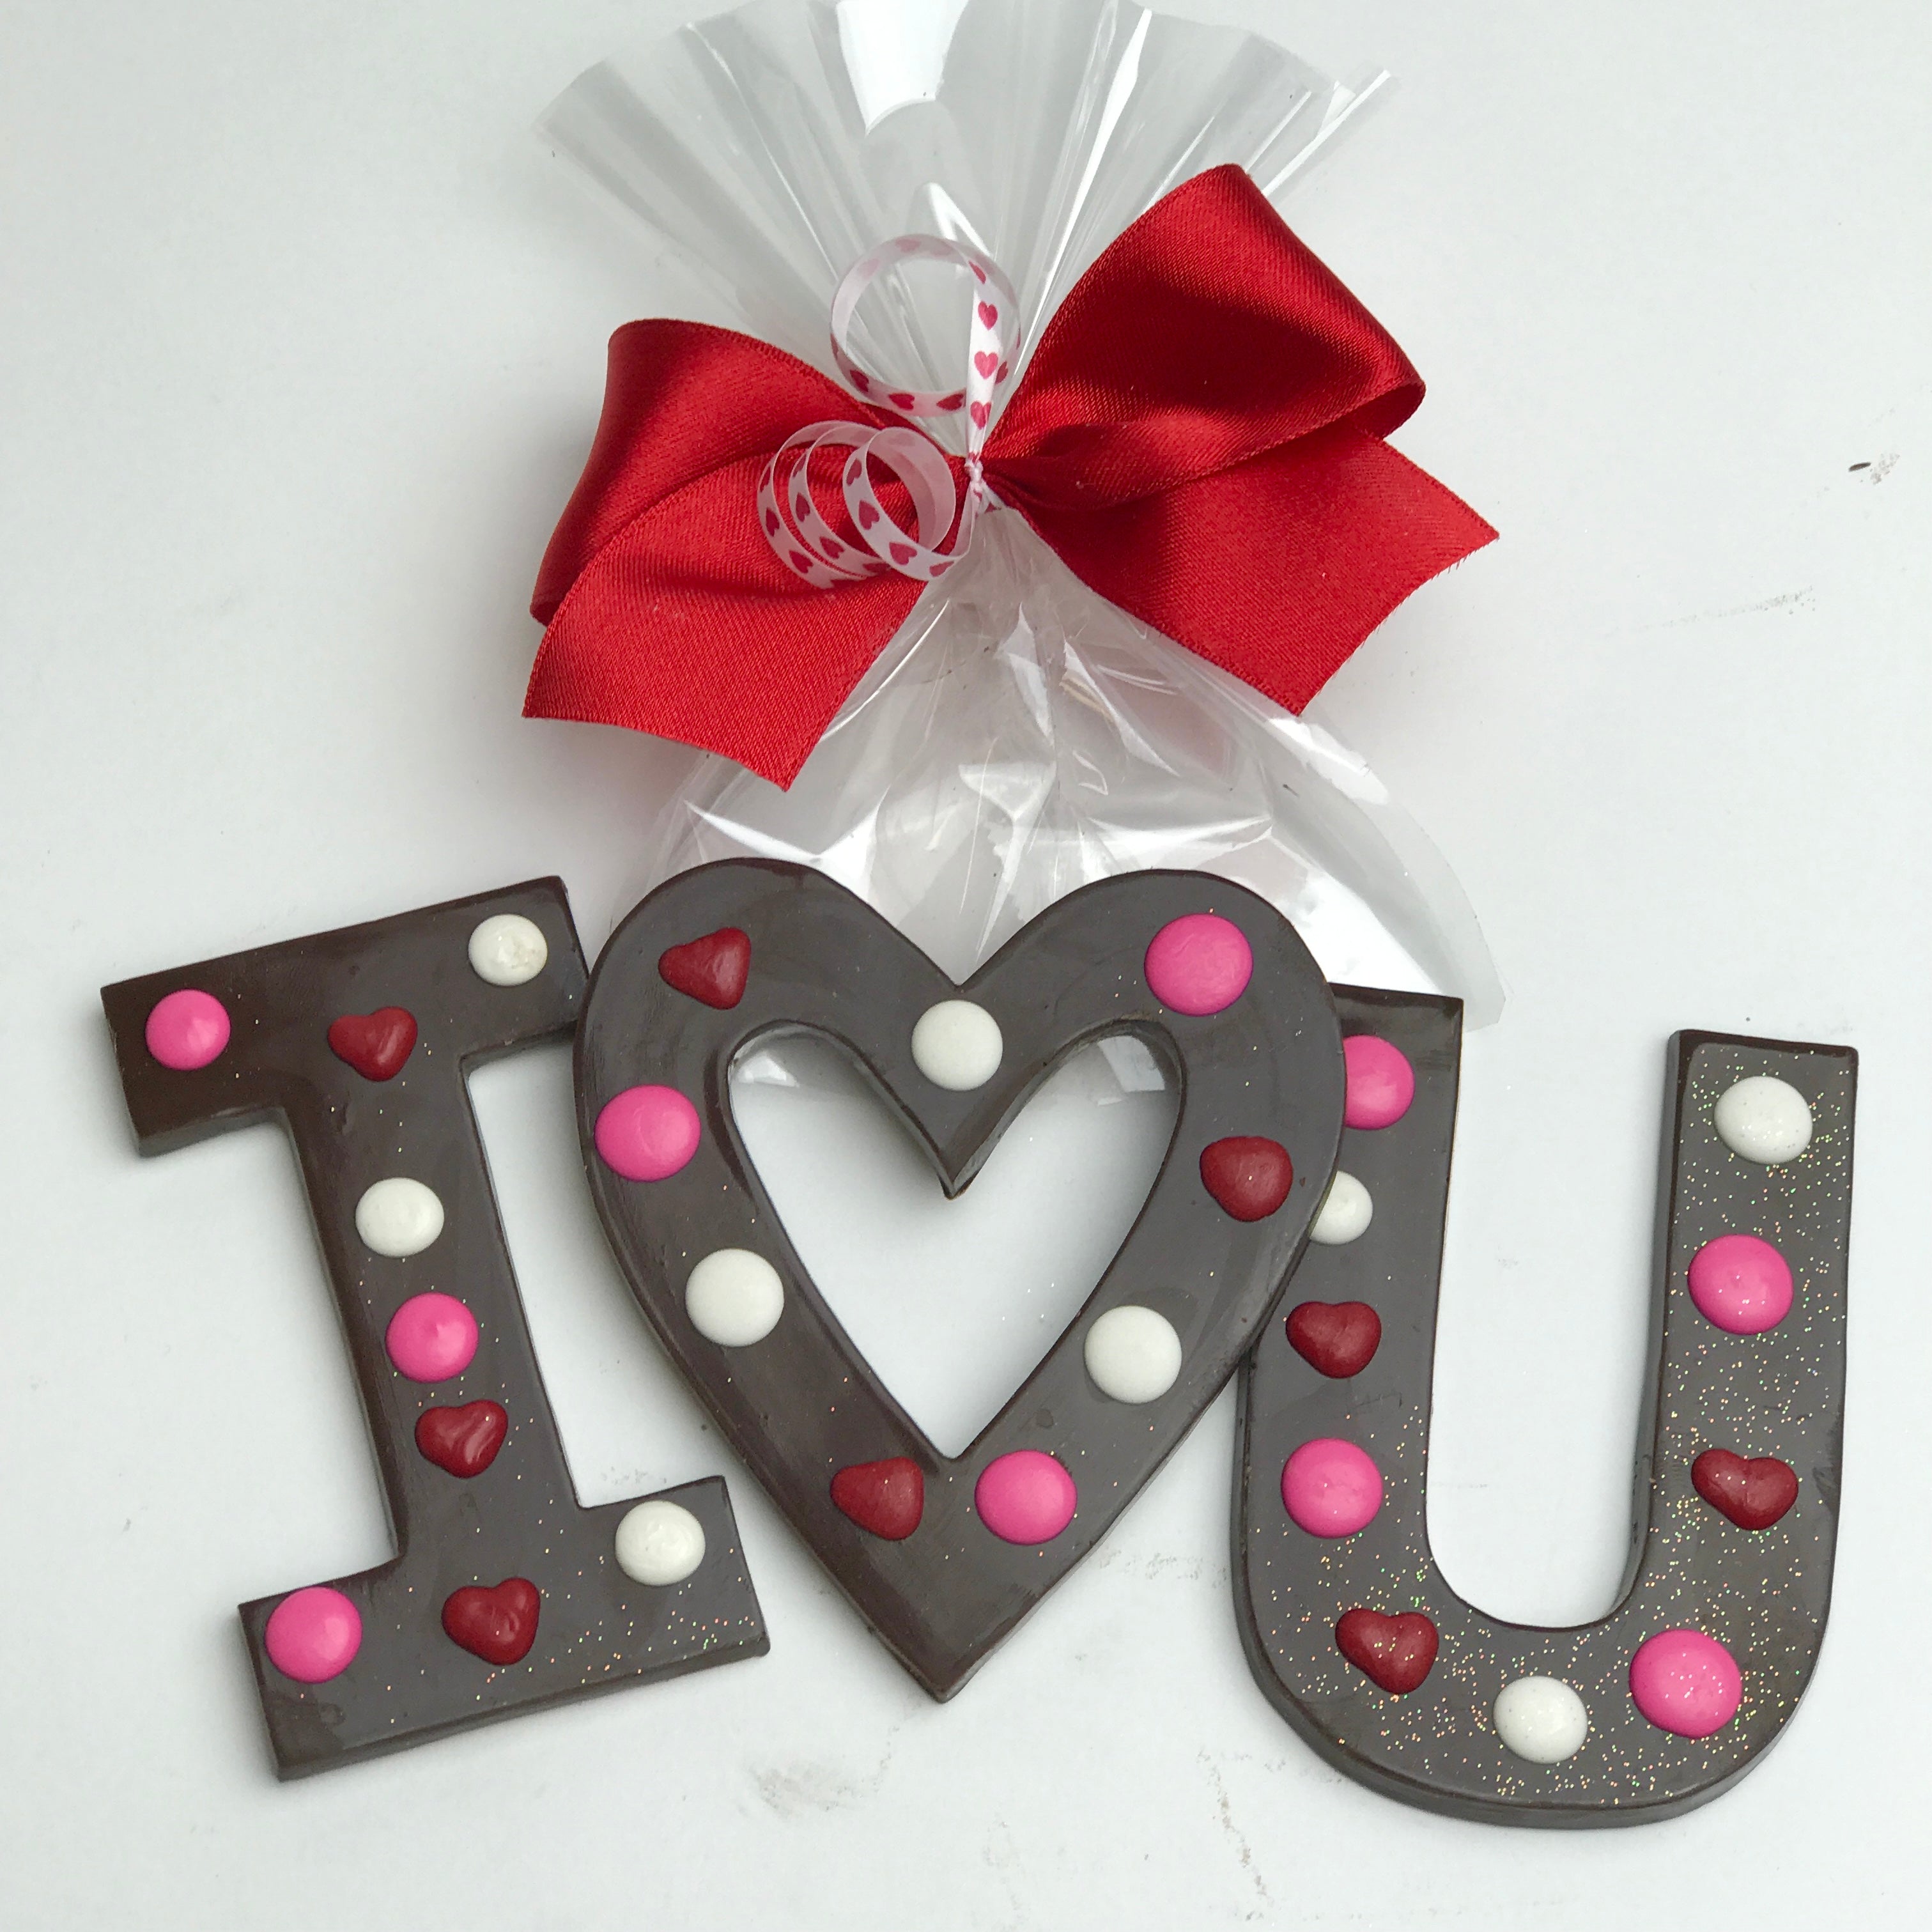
<point>375,1044</point>
<point>463,1440</point>
<point>1257,1059</point>
<point>1339,1338</point>
<point>887,1498</point>
<point>498,1625</point>
<point>1754,1493</point>
<point>1249,1175</point>
<point>711,969</point>
<point>1396,1652</point>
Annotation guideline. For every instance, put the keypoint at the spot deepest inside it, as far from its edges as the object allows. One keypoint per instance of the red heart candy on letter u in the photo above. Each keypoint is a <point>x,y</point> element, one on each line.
<point>1395,1652</point>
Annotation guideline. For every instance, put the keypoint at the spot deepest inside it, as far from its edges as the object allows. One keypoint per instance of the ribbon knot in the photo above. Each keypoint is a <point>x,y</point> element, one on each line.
<point>1198,436</point>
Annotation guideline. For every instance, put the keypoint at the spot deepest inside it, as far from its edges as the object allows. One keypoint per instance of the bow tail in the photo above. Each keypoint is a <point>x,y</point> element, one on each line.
<point>1275,568</point>
<point>687,625</point>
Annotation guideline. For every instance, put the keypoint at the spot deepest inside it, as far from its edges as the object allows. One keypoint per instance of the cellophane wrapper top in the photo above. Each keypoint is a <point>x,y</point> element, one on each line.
<point>1020,736</point>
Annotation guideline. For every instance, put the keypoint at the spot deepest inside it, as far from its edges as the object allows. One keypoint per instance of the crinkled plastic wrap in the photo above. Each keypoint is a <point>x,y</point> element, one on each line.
<point>1020,736</point>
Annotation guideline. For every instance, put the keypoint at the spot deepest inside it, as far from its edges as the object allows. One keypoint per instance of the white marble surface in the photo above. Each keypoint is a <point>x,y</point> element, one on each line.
<point>301,345</point>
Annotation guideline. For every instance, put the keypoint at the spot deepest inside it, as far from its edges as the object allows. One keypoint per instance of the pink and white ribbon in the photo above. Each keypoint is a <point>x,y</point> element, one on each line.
<point>802,538</point>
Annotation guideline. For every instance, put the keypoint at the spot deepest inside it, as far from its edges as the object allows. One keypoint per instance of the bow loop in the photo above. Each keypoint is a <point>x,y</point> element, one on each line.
<point>1161,367</point>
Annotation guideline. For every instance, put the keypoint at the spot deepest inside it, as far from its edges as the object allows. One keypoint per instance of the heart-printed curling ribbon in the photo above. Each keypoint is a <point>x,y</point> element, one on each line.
<point>874,540</point>
<point>1198,436</point>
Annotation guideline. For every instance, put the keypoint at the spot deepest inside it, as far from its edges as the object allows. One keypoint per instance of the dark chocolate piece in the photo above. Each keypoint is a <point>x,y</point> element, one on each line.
<point>943,1567</point>
<point>1358,1640</point>
<point>505,1595</point>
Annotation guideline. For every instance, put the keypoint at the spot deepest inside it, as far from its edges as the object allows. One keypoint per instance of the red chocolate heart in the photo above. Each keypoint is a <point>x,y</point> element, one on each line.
<point>1395,1652</point>
<point>463,1440</point>
<point>712,969</point>
<point>375,1044</point>
<point>887,1498</point>
<point>1753,1493</point>
<point>1339,1338</point>
<point>1249,1175</point>
<point>497,1625</point>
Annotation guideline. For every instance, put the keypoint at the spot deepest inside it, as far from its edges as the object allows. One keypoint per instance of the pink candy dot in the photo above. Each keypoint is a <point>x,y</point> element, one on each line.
<point>1381,1083</point>
<point>188,1030</point>
<point>1199,964</point>
<point>1686,1682</point>
<point>1741,1283</point>
<point>314,1635</point>
<point>647,1133</point>
<point>1025,1497</point>
<point>1331,1487</point>
<point>431,1337</point>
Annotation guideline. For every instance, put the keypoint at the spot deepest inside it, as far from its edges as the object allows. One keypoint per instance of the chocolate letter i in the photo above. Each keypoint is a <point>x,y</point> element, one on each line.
<point>504,1594</point>
<point>1349,1628</point>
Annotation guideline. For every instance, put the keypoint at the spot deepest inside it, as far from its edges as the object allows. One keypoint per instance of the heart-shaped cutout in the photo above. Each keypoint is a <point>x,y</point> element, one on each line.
<point>1256,1056</point>
<point>499,1625</point>
<point>375,1044</point>
<point>463,1440</point>
<point>1753,1491</point>
<point>952,1302</point>
<point>1396,1653</point>
<point>1339,1338</point>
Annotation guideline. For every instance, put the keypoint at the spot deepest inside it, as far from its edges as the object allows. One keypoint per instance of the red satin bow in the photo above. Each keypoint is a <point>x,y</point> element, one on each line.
<point>1198,436</point>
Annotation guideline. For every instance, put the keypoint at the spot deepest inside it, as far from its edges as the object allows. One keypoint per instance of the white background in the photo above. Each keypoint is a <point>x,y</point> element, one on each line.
<point>302,346</point>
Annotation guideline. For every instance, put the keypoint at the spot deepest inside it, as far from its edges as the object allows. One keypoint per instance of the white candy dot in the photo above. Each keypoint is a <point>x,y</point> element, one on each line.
<point>659,1543</point>
<point>1765,1119</point>
<point>1542,1719</point>
<point>734,1298</point>
<point>1133,1354</point>
<point>399,1216</point>
<point>957,1045</point>
<point>1345,1213</point>
<point>508,949</point>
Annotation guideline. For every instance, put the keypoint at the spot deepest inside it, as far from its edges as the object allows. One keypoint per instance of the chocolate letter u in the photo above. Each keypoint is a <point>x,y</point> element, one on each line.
<point>1349,1627</point>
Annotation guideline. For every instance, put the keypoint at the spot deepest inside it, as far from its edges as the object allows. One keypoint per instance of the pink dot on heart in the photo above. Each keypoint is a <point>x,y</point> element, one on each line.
<point>1331,1487</point>
<point>647,1133</point>
<point>1381,1083</point>
<point>1199,964</point>
<point>187,1029</point>
<point>314,1635</point>
<point>431,1337</point>
<point>1025,1497</point>
<point>1686,1682</point>
<point>1741,1283</point>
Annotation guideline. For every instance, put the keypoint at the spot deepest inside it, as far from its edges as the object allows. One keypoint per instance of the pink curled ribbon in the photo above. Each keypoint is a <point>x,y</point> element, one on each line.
<point>799,535</point>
